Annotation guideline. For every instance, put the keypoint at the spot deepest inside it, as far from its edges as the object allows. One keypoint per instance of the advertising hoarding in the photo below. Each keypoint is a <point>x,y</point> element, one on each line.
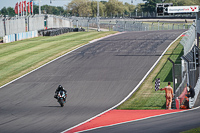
<point>183,9</point>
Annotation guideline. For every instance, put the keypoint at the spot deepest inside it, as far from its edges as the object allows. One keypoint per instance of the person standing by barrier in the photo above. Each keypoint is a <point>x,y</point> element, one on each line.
<point>191,92</point>
<point>168,94</point>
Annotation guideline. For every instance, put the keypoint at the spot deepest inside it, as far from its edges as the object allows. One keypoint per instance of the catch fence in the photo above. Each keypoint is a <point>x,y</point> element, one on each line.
<point>126,24</point>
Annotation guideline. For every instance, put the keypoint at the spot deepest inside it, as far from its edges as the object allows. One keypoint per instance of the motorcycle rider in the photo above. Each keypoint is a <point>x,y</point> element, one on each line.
<point>60,88</point>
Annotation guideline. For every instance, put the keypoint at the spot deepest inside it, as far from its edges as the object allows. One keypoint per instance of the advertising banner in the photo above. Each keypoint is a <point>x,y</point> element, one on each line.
<point>16,8</point>
<point>183,9</point>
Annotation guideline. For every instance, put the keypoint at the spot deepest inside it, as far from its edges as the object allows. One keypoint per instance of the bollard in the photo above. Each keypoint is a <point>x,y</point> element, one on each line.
<point>177,103</point>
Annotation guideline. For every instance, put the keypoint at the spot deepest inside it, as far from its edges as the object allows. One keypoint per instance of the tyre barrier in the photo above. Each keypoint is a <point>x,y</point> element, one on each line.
<point>58,31</point>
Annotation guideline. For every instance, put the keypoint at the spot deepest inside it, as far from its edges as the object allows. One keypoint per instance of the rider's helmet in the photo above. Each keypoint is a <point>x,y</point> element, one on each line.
<point>60,87</point>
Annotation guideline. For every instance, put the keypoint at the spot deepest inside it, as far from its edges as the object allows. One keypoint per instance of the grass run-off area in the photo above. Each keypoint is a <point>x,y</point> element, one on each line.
<point>18,58</point>
<point>195,130</point>
<point>146,97</point>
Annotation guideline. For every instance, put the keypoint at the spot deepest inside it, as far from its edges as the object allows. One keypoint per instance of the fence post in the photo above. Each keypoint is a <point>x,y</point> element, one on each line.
<point>76,23</point>
<point>88,24</point>
<point>109,25</point>
<point>5,25</point>
<point>125,26</point>
<point>173,73</point>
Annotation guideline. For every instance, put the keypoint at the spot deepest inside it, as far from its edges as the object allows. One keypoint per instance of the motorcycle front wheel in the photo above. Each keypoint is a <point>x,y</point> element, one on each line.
<point>61,101</point>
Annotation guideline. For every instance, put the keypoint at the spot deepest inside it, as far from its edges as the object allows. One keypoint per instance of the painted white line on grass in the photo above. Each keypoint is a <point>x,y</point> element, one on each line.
<point>131,91</point>
<point>58,58</point>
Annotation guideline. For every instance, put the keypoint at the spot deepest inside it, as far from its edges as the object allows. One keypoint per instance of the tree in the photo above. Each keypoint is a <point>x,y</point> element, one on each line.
<point>183,2</point>
<point>35,9</point>
<point>80,8</point>
<point>140,7</point>
<point>11,11</point>
<point>150,5</point>
<point>46,9</point>
<point>129,9</point>
<point>55,11</point>
<point>114,8</point>
<point>60,10</point>
<point>101,9</point>
<point>4,11</point>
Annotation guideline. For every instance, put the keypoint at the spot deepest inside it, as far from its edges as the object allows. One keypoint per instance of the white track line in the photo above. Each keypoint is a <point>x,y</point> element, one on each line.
<point>130,92</point>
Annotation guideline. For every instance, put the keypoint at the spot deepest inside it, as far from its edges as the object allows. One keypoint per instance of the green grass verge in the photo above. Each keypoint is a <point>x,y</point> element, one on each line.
<point>146,97</point>
<point>195,130</point>
<point>20,57</point>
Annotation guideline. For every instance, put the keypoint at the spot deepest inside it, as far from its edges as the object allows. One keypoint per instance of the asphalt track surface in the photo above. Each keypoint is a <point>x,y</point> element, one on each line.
<point>96,76</point>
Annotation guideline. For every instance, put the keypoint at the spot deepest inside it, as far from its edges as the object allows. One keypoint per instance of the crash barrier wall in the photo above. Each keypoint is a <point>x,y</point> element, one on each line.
<point>35,22</point>
<point>58,31</point>
<point>188,39</point>
<point>13,25</point>
<point>1,27</point>
<point>20,36</point>
<point>30,23</point>
<point>58,22</point>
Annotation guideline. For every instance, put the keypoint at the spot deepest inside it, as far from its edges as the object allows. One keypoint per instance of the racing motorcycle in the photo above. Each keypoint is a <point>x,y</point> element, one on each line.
<point>61,98</point>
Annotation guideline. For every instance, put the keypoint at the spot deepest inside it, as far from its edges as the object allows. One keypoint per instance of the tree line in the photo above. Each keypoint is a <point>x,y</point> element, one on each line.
<point>110,8</point>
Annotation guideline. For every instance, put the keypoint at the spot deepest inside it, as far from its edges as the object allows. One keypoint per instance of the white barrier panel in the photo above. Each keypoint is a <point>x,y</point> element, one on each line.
<point>20,36</point>
<point>26,35</point>
<point>5,39</point>
<point>9,38</point>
